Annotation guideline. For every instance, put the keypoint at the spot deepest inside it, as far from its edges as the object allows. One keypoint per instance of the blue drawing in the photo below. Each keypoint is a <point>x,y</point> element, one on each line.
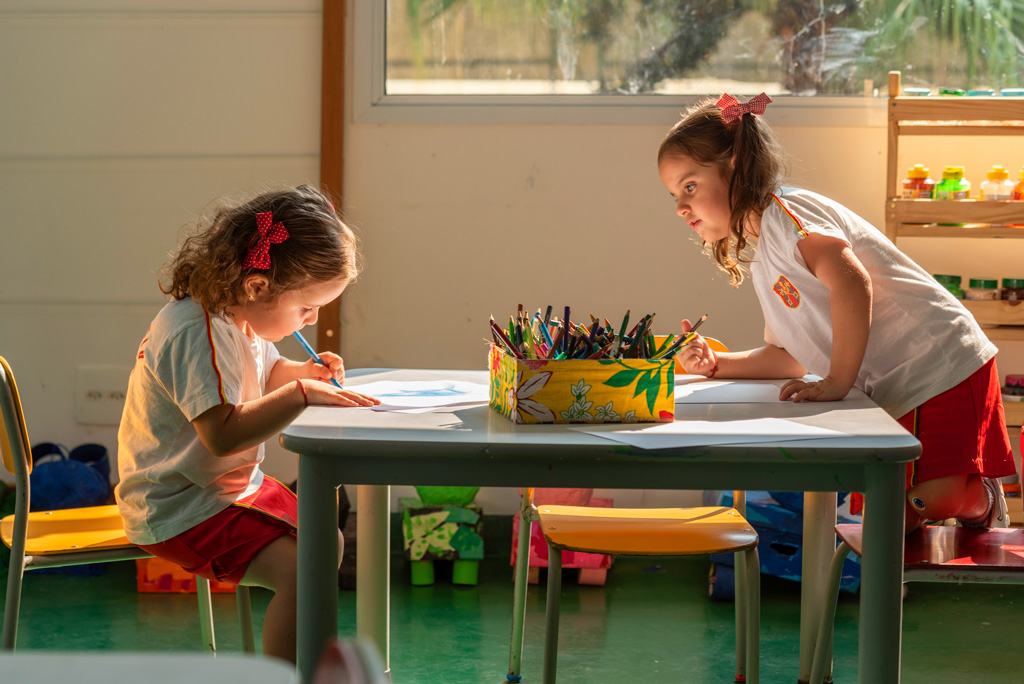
<point>446,391</point>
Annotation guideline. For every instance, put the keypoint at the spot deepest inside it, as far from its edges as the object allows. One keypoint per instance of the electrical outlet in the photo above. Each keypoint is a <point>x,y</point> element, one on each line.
<point>100,393</point>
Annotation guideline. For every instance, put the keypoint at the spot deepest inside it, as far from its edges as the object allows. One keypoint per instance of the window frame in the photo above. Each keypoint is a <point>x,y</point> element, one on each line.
<point>372,106</point>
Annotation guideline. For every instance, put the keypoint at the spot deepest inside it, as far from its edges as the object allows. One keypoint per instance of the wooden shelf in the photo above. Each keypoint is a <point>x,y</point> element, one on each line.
<point>972,218</point>
<point>998,312</point>
<point>1011,333</point>
<point>1014,413</point>
<point>957,115</point>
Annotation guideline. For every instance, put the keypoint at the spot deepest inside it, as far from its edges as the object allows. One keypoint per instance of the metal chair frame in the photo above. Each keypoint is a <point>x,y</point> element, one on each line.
<point>17,458</point>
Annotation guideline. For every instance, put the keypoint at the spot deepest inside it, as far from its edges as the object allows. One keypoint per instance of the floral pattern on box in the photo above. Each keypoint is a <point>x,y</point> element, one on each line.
<point>582,391</point>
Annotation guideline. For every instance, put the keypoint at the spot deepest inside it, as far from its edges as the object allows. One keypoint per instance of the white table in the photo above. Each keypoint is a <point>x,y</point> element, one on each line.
<point>91,667</point>
<point>475,446</point>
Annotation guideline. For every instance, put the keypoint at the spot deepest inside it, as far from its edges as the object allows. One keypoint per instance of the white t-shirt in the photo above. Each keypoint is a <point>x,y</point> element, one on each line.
<point>189,362</point>
<point>923,341</point>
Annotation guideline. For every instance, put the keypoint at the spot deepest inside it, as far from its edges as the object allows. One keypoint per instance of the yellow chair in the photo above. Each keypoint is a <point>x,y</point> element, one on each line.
<point>639,532</point>
<point>75,536</point>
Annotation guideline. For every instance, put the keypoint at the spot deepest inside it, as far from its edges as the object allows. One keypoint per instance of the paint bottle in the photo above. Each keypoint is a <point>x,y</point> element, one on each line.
<point>917,184</point>
<point>997,185</point>
<point>953,185</point>
<point>1018,189</point>
<point>952,92</point>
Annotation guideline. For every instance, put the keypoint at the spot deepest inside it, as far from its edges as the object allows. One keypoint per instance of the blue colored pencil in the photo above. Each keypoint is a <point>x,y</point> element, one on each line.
<point>313,354</point>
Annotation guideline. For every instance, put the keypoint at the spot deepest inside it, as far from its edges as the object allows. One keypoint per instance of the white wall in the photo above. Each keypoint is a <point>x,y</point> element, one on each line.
<point>123,119</point>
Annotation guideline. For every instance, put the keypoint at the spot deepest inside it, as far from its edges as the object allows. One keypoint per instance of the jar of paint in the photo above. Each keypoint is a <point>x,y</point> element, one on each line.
<point>1013,289</point>
<point>954,92</point>
<point>1014,386</point>
<point>951,283</point>
<point>917,184</point>
<point>997,185</point>
<point>953,185</point>
<point>1012,92</point>
<point>979,289</point>
<point>1018,189</point>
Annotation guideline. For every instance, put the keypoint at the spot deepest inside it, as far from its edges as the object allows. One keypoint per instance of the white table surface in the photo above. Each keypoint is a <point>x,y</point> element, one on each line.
<point>92,667</point>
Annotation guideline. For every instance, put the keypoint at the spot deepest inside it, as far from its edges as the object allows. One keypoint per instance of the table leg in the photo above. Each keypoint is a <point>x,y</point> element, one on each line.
<point>373,567</point>
<point>819,543</point>
<point>317,616</point>
<point>881,604</point>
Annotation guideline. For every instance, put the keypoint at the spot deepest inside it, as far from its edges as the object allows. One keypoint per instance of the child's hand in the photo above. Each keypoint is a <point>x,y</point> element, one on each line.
<point>826,389</point>
<point>324,394</point>
<point>332,367</point>
<point>696,358</point>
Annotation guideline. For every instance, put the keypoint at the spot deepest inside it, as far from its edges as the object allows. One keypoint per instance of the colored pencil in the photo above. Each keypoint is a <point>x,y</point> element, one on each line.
<point>312,354</point>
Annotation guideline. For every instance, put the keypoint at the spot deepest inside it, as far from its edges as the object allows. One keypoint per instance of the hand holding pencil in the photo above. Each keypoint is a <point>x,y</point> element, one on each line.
<point>696,357</point>
<point>328,367</point>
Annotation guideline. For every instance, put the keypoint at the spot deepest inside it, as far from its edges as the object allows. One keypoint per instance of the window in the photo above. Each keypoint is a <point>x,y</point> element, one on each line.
<point>608,52</point>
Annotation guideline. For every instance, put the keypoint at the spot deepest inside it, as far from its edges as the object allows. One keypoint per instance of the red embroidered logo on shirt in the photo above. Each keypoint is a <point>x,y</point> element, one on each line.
<point>789,294</point>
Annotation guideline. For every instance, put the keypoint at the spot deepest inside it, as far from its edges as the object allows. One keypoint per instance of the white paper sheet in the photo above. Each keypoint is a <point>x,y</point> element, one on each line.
<point>423,395</point>
<point>684,433</point>
<point>691,389</point>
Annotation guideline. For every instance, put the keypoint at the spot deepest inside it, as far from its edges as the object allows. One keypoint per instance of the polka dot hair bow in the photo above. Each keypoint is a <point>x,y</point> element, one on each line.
<point>259,254</point>
<point>732,110</point>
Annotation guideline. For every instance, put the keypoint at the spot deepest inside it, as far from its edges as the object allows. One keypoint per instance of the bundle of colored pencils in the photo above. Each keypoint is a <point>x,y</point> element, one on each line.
<point>541,336</point>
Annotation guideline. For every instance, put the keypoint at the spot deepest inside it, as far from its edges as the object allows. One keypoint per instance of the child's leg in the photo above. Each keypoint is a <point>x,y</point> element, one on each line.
<point>955,496</point>
<point>275,567</point>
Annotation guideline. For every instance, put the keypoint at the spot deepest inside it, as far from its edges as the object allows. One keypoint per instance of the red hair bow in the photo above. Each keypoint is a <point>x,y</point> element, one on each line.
<point>259,254</point>
<point>732,110</point>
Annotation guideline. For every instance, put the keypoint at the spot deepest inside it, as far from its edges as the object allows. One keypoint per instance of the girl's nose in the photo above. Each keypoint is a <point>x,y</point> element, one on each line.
<point>682,209</point>
<point>312,316</point>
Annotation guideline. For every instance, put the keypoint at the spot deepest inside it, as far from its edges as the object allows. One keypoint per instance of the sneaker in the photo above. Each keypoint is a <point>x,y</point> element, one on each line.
<point>998,515</point>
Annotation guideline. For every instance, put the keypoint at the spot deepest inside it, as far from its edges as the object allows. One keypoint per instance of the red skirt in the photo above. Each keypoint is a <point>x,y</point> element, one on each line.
<point>221,547</point>
<point>962,430</point>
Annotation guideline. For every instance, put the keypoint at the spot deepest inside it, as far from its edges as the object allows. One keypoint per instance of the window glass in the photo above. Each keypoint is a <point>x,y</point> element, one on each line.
<point>800,47</point>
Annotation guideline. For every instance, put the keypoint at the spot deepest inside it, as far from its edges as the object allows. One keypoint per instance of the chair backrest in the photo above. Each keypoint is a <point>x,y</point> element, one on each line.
<point>14,442</point>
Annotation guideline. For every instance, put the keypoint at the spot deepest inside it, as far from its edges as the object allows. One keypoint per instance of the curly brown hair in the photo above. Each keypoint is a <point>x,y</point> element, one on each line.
<point>208,265</point>
<point>758,167</point>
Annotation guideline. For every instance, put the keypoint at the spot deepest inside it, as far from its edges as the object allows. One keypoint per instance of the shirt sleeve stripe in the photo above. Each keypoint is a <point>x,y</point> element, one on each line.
<point>213,356</point>
<point>799,226</point>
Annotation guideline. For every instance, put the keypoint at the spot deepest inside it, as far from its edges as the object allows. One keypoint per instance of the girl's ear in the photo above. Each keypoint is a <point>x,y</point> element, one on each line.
<point>255,286</point>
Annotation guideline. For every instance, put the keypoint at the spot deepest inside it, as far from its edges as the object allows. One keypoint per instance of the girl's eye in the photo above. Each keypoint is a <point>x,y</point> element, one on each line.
<point>689,187</point>
<point>305,309</point>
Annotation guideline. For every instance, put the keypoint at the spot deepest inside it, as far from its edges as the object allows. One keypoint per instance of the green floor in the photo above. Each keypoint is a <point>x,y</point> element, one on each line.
<point>650,623</point>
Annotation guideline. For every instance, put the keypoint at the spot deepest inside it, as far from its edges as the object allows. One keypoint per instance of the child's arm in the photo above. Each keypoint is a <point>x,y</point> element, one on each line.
<point>833,262</point>
<point>764,362</point>
<point>228,428</point>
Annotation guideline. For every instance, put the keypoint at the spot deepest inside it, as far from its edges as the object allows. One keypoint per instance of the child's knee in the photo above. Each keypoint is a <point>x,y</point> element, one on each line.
<point>940,498</point>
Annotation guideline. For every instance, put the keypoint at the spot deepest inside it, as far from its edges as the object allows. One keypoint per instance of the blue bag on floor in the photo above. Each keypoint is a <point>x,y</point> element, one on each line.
<point>77,479</point>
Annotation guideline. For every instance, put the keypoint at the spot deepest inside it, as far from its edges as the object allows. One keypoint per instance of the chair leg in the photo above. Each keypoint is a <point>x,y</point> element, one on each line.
<point>551,610</point>
<point>205,614</point>
<point>752,578</point>
<point>515,649</point>
<point>823,646</point>
<point>244,603</point>
<point>12,605</point>
<point>740,604</point>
